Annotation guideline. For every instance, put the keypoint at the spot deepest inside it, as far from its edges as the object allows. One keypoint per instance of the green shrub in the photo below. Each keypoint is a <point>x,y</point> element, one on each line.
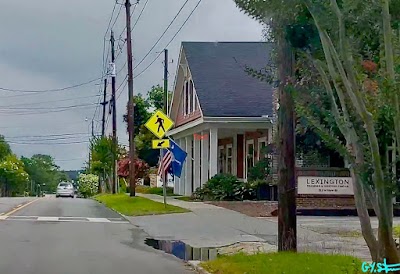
<point>260,171</point>
<point>88,184</point>
<point>224,187</point>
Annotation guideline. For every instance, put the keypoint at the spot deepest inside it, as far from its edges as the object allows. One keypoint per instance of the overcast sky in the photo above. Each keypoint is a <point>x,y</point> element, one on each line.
<point>47,44</point>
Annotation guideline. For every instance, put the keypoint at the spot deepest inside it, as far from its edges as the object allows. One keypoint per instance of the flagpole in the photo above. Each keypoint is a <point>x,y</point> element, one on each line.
<point>164,180</point>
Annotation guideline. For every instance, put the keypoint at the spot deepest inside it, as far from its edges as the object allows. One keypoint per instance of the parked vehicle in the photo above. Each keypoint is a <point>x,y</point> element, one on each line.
<point>65,189</point>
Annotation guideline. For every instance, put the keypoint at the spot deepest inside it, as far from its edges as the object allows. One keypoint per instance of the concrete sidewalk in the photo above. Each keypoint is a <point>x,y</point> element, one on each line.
<point>212,226</point>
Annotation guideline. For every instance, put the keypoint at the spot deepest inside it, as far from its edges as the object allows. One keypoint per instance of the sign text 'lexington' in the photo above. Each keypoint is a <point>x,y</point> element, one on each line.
<point>325,185</point>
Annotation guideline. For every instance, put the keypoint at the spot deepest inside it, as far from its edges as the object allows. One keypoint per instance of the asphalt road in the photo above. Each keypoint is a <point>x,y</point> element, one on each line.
<point>77,236</point>
<point>7,204</point>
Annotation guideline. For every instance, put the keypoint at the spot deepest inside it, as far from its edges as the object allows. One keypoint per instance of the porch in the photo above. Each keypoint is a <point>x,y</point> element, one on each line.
<point>213,146</point>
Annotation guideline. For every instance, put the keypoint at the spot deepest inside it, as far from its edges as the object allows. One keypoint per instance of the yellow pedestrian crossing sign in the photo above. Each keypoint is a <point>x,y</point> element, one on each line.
<point>161,143</point>
<point>159,124</point>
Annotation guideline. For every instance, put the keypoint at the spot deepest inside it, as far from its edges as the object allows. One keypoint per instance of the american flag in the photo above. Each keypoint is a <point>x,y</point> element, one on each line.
<point>165,163</point>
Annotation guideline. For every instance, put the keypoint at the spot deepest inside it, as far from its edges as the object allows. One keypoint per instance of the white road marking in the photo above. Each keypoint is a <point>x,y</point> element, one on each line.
<point>47,219</point>
<point>64,219</point>
<point>99,220</point>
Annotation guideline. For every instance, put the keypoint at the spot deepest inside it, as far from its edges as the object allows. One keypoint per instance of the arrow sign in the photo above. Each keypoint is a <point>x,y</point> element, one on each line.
<point>163,143</point>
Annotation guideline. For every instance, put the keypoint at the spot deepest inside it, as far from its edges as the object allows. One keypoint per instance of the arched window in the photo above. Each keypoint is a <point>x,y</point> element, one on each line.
<point>187,101</point>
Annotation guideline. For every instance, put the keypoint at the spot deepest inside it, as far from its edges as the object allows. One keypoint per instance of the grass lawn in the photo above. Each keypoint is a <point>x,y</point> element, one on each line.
<point>396,231</point>
<point>155,190</point>
<point>136,206</point>
<point>288,263</point>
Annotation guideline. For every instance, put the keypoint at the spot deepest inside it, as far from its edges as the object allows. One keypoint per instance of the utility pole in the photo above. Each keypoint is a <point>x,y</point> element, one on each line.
<point>92,128</point>
<point>287,232</point>
<point>165,177</point>
<point>104,103</point>
<point>131,103</point>
<point>114,114</point>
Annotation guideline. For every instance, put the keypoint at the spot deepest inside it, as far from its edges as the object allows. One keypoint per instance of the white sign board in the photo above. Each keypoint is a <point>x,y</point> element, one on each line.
<point>325,185</point>
<point>170,182</point>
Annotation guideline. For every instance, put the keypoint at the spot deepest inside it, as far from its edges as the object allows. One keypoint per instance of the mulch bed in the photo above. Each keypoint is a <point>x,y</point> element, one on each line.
<point>250,208</point>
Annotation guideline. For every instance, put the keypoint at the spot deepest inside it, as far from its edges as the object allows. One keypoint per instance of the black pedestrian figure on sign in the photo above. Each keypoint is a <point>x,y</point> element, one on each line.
<point>160,122</point>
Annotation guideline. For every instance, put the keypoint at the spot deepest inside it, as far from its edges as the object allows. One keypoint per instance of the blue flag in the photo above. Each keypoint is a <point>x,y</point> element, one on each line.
<point>179,157</point>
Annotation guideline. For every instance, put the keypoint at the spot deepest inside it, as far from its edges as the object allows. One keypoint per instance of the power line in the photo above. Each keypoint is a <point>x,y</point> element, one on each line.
<point>11,113</point>
<point>162,35</point>
<point>49,135</point>
<point>125,83</point>
<point>64,143</point>
<point>116,18</point>
<point>68,160</point>
<point>45,108</point>
<point>137,20</point>
<point>155,59</point>
<point>48,139</point>
<point>52,101</point>
<point>50,90</point>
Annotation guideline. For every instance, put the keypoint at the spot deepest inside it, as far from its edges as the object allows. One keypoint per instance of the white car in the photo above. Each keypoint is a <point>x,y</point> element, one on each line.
<point>65,190</point>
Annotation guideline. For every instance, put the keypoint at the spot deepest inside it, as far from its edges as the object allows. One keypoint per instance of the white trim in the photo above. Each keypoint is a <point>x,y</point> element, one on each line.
<point>176,78</point>
<point>237,119</point>
<point>185,126</point>
<point>194,89</point>
<point>259,141</point>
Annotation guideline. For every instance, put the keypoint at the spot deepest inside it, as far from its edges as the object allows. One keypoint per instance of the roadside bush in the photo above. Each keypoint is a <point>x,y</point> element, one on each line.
<point>224,187</point>
<point>88,184</point>
<point>260,171</point>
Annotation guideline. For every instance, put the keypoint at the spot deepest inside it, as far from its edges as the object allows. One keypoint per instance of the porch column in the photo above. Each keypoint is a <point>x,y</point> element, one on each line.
<point>204,157</point>
<point>189,166</point>
<point>196,163</point>
<point>183,174</point>
<point>213,151</point>
<point>177,181</point>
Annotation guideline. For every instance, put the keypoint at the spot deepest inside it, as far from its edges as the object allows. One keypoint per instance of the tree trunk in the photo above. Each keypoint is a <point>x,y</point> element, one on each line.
<point>362,212</point>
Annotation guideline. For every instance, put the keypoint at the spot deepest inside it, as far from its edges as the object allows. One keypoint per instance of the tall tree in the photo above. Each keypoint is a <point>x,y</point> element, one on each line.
<point>144,107</point>
<point>13,177</point>
<point>4,148</point>
<point>43,170</point>
<point>356,69</point>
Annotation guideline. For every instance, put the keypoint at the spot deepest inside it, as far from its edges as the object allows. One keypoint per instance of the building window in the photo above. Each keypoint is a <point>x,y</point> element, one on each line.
<point>249,155</point>
<point>221,159</point>
<point>187,98</point>
<point>229,159</point>
<point>193,96</point>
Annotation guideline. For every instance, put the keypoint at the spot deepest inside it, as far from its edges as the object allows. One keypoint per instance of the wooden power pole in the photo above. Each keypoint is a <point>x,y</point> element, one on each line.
<point>131,103</point>
<point>104,103</point>
<point>287,232</point>
<point>114,115</point>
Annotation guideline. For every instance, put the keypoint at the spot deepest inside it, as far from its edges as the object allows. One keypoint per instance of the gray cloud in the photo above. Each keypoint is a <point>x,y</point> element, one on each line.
<point>50,44</point>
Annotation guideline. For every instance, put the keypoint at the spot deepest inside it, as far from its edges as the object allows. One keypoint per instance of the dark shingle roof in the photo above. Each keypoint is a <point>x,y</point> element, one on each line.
<point>223,87</point>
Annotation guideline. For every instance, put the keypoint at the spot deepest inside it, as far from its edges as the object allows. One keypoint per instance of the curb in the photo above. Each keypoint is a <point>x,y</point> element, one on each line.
<point>122,215</point>
<point>197,267</point>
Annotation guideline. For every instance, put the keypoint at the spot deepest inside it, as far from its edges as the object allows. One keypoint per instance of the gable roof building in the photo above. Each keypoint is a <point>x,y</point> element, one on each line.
<point>222,114</point>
